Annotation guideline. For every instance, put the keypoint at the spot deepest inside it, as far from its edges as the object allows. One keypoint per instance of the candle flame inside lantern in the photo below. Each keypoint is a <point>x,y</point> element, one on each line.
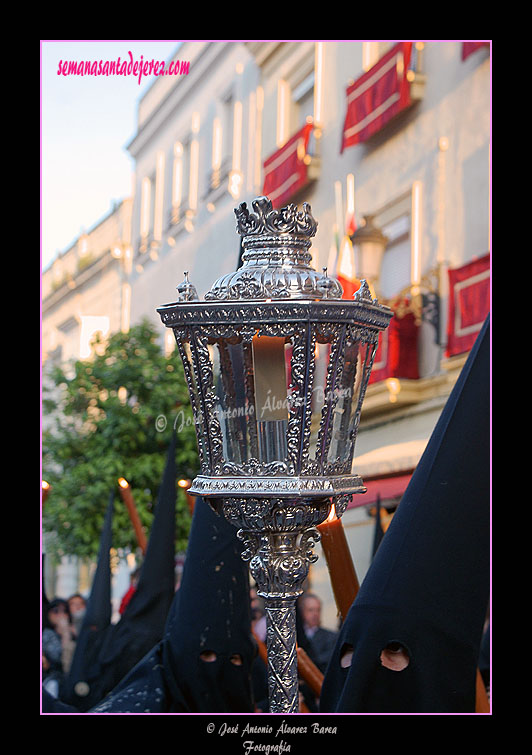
<point>332,514</point>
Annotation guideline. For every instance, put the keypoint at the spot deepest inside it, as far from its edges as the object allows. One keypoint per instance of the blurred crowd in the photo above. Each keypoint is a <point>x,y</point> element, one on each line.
<point>61,625</point>
<point>63,618</point>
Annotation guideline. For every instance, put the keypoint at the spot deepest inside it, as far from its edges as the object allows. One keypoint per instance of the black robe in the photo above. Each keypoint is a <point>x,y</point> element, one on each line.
<point>203,663</point>
<point>82,679</point>
<point>142,624</point>
<point>427,588</point>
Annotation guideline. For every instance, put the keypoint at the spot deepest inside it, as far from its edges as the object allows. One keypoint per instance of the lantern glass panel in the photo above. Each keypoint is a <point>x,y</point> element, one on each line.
<point>195,395</point>
<point>251,397</point>
<point>234,393</point>
<point>348,401</point>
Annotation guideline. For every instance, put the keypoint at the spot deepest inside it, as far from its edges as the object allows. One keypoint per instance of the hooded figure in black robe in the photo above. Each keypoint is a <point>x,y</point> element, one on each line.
<point>411,640</point>
<point>84,671</point>
<point>142,624</point>
<point>203,663</point>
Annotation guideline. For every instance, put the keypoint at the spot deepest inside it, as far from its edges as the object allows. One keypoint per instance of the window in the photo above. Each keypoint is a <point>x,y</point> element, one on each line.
<point>295,101</point>
<point>177,182</point>
<point>158,198</point>
<point>181,177</point>
<point>227,116</point>
<point>216,160</point>
<point>395,222</point>
<point>372,51</point>
<point>303,100</point>
<point>146,207</point>
<point>291,167</point>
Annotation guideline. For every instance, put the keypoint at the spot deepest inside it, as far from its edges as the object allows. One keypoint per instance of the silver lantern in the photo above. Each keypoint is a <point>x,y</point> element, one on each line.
<point>277,364</point>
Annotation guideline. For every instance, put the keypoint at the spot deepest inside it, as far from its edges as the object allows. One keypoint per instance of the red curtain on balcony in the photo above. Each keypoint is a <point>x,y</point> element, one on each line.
<point>285,172</point>
<point>384,488</point>
<point>469,304</point>
<point>378,95</point>
<point>470,47</point>
<point>397,352</point>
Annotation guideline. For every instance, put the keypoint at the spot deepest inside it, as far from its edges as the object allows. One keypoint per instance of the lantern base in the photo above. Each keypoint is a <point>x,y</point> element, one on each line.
<point>279,536</point>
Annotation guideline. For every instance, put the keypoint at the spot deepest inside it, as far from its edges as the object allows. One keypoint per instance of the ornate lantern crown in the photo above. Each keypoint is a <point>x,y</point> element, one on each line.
<point>276,257</point>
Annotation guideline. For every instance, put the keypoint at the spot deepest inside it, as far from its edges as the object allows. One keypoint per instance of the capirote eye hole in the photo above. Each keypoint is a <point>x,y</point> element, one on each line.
<point>208,656</point>
<point>346,656</point>
<point>395,656</point>
<point>236,659</point>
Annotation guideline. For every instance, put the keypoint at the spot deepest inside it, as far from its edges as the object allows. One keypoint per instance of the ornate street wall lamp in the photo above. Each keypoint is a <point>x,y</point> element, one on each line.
<point>420,298</point>
<point>369,243</point>
<point>249,352</point>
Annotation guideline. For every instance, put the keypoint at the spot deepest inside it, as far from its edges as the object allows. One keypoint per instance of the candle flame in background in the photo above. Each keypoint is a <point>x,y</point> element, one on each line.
<point>346,261</point>
<point>123,483</point>
<point>45,485</point>
<point>183,483</point>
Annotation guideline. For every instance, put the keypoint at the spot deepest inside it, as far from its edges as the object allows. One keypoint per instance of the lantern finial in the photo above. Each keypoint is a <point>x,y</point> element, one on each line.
<point>276,257</point>
<point>265,220</point>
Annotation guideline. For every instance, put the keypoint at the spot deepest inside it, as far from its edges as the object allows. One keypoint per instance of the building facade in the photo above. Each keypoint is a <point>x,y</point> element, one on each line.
<point>395,134</point>
<point>396,131</point>
<point>86,288</point>
<point>85,291</point>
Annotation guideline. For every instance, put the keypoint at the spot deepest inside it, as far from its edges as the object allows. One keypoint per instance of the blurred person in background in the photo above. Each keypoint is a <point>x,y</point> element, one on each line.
<point>58,645</point>
<point>133,582</point>
<point>78,608</point>
<point>321,640</point>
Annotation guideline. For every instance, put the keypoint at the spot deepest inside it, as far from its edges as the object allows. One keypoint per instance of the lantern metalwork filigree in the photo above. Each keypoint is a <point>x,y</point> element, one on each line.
<point>277,364</point>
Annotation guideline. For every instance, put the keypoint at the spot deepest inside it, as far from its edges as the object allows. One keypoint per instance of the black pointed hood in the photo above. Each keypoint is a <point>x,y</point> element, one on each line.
<point>211,650</point>
<point>428,587</point>
<point>96,623</point>
<point>203,663</point>
<point>141,626</point>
